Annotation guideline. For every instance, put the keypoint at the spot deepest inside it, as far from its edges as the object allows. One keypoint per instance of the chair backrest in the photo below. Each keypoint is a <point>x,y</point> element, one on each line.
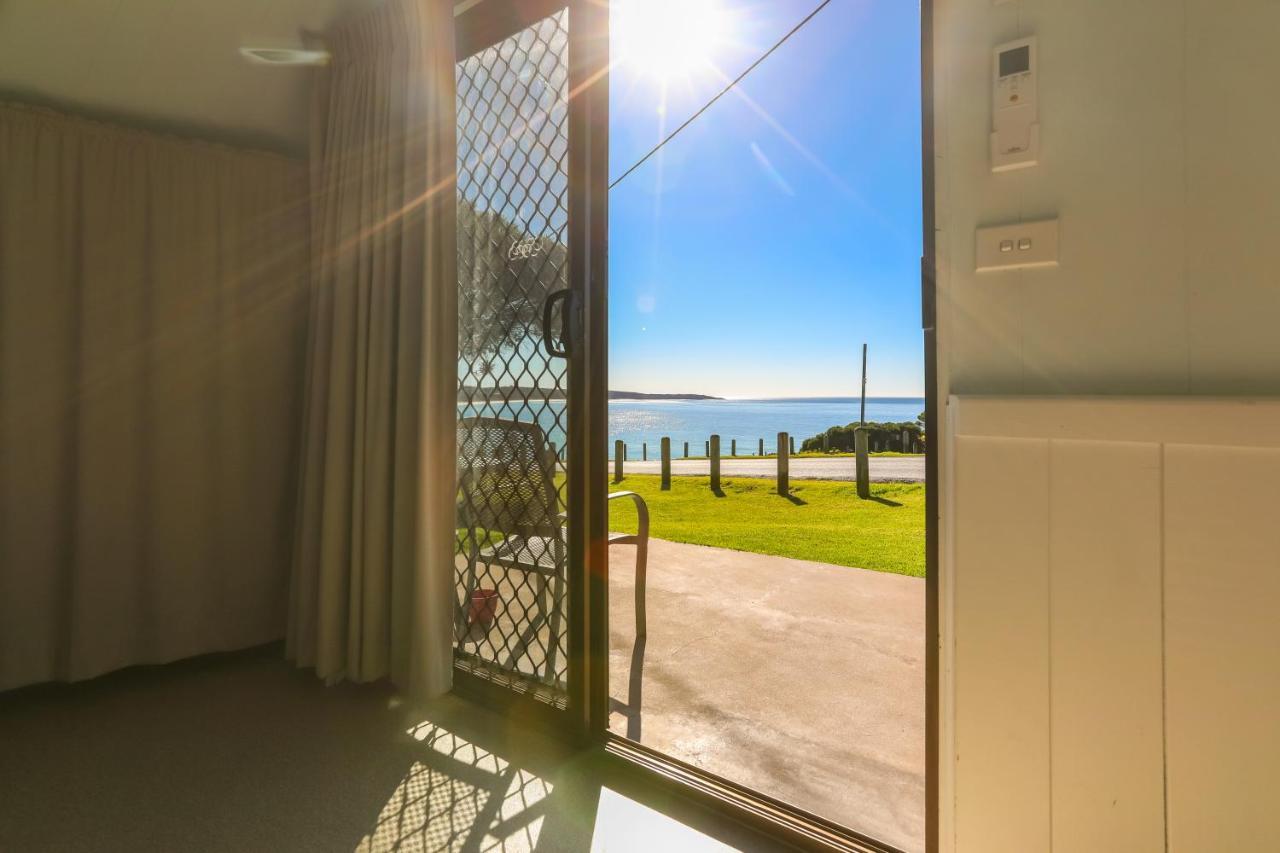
<point>506,477</point>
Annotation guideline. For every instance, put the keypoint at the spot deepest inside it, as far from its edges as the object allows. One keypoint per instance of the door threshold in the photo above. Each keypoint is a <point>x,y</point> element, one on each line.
<point>776,819</point>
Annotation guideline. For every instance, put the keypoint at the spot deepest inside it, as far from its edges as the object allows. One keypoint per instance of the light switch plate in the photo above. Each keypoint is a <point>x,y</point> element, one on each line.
<point>1042,251</point>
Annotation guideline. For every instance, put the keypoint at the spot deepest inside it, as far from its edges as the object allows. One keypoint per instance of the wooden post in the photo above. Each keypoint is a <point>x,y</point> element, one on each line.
<point>760,452</point>
<point>686,450</point>
<point>784,464</point>
<point>619,451</point>
<point>791,444</point>
<point>713,451</point>
<point>826,443</point>
<point>906,441</point>
<point>666,464</point>
<point>864,470</point>
<point>733,447</point>
<point>862,412</point>
<point>644,451</point>
<point>706,449</point>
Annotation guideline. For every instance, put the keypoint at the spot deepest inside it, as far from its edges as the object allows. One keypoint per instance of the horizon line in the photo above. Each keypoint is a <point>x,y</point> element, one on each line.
<point>714,397</point>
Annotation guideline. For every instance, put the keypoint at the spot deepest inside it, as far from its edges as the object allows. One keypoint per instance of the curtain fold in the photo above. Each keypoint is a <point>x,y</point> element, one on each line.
<point>372,576</point>
<point>152,309</point>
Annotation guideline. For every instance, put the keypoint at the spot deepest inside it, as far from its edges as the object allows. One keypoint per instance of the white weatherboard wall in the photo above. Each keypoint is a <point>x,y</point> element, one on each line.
<point>1111,567</point>
<point>1112,603</point>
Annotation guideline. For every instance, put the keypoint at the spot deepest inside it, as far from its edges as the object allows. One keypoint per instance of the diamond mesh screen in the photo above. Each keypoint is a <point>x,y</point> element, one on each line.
<point>511,569</point>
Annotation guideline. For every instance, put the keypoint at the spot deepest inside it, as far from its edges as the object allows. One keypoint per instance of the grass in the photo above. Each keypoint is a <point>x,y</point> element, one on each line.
<point>822,520</point>
<point>799,454</point>
<point>842,454</point>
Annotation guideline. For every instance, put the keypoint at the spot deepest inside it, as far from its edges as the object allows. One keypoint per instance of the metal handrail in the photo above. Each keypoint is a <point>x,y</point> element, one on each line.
<point>641,541</point>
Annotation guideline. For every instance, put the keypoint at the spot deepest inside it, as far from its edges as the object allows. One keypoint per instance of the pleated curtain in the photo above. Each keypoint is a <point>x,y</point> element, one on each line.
<point>152,330</point>
<point>373,564</point>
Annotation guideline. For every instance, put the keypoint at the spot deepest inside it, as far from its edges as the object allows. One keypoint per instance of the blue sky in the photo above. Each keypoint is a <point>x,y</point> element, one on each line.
<point>757,252</point>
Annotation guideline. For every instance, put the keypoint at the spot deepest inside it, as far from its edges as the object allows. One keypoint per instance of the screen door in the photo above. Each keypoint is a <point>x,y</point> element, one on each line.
<point>520,190</point>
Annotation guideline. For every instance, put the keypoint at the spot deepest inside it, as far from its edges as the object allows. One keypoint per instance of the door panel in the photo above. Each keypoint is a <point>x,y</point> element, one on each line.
<point>515,567</point>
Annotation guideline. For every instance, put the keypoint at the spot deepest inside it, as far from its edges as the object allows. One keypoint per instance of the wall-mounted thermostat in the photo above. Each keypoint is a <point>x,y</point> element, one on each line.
<point>1015,136</point>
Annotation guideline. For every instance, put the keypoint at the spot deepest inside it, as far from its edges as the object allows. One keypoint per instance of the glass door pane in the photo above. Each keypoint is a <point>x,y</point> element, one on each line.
<point>512,559</point>
<point>766,605</point>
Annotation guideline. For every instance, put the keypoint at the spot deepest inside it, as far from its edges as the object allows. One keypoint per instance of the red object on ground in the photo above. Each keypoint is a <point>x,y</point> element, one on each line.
<point>484,607</point>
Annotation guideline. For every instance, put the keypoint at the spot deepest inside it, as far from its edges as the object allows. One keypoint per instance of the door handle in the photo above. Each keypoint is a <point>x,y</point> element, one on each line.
<point>565,298</point>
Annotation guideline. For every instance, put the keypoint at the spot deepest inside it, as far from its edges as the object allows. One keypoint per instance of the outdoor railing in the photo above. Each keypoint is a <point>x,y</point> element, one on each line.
<point>782,453</point>
<point>746,448</point>
<point>645,451</point>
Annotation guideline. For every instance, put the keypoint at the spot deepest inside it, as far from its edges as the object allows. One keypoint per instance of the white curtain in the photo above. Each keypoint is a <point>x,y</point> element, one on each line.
<point>373,566</point>
<point>152,308</point>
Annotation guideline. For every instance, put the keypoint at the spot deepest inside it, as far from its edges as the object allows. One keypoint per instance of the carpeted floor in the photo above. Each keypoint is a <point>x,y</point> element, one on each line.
<point>245,753</point>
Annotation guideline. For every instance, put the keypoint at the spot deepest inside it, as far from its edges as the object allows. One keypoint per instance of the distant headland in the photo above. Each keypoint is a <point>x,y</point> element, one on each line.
<point>637,395</point>
<point>470,392</point>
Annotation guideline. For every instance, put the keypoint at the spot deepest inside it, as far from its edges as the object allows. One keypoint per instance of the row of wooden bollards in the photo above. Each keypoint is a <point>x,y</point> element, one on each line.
<point>620,448</point>
<point>785,448</point>
<point>713,454</point>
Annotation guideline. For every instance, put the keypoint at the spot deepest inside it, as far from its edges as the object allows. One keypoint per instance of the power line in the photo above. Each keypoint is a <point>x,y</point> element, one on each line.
<point>736,80</point>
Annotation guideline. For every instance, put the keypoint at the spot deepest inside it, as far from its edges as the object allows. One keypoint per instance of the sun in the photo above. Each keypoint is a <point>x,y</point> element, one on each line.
<point>669,39</point>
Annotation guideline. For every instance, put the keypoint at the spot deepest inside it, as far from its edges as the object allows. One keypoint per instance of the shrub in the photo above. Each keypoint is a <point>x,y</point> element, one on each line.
<point>880,436</point>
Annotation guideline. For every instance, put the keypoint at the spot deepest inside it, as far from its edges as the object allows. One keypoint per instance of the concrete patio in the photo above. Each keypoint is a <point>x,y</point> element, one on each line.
<point>802,680</point>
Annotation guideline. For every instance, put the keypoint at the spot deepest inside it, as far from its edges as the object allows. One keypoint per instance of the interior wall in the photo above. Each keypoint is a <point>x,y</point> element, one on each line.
<point>1115,565</point>
<point>1158,158</point>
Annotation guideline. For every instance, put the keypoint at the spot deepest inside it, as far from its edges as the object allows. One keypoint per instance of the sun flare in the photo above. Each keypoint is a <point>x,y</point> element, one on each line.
<point>669,39</point>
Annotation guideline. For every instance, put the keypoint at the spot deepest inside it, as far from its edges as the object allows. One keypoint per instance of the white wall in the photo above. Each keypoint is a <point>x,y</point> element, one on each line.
<point>1161,156</point>
<point>1073,719</point>
<point>1113,658</point>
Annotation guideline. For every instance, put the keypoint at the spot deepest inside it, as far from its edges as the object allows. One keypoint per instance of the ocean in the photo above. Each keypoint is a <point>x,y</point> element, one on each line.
<point>748,421</point>
<point>637,422</point>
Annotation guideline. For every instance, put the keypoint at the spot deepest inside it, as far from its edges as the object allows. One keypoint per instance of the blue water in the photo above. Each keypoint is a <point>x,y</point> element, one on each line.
<point>637,422</point>
<point>748,421</point>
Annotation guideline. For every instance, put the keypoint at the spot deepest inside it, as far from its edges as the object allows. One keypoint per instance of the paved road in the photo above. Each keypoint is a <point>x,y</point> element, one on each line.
<point>883,468</point>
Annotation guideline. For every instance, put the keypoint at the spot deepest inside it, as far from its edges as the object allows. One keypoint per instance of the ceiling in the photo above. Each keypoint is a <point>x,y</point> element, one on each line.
<point>167,63</point>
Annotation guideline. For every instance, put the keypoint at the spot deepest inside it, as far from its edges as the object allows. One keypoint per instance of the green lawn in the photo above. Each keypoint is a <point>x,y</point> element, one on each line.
<point>823,520</point>
<point>799,454</point>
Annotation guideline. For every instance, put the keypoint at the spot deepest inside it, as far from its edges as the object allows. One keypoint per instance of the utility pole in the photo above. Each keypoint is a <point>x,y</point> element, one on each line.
<point>862,416</point>
<point>861,464</point>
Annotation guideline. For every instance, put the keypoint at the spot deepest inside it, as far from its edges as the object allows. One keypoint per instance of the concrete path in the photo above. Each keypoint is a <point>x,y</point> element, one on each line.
<point>883,468</point>
<point>802,680</point>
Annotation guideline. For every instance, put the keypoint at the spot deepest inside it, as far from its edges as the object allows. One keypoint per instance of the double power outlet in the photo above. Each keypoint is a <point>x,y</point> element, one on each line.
<point>1020,246</point>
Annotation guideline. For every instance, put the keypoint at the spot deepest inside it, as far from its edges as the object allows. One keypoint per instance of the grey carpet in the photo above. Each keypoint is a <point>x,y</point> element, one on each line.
<point>239,753</point>
<point>244,752</point>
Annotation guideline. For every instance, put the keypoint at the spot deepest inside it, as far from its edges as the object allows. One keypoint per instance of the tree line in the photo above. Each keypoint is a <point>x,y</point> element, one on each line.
<point>880,436</point>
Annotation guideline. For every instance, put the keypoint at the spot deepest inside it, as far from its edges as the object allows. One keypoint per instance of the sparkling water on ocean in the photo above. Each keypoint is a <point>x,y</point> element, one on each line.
<point>748,421</point>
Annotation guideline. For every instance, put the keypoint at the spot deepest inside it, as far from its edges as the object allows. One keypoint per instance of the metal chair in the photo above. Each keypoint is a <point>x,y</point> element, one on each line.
<point>509,515</point>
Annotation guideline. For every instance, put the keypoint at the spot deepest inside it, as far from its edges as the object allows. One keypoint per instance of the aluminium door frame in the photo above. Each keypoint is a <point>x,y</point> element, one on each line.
<point>746,805</point>
<point>587,722</point>
<point>477,27</point>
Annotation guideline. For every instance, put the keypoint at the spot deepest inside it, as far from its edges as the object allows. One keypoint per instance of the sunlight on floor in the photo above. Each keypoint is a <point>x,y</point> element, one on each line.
<point>625,826</point>
<point>460,795</point>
